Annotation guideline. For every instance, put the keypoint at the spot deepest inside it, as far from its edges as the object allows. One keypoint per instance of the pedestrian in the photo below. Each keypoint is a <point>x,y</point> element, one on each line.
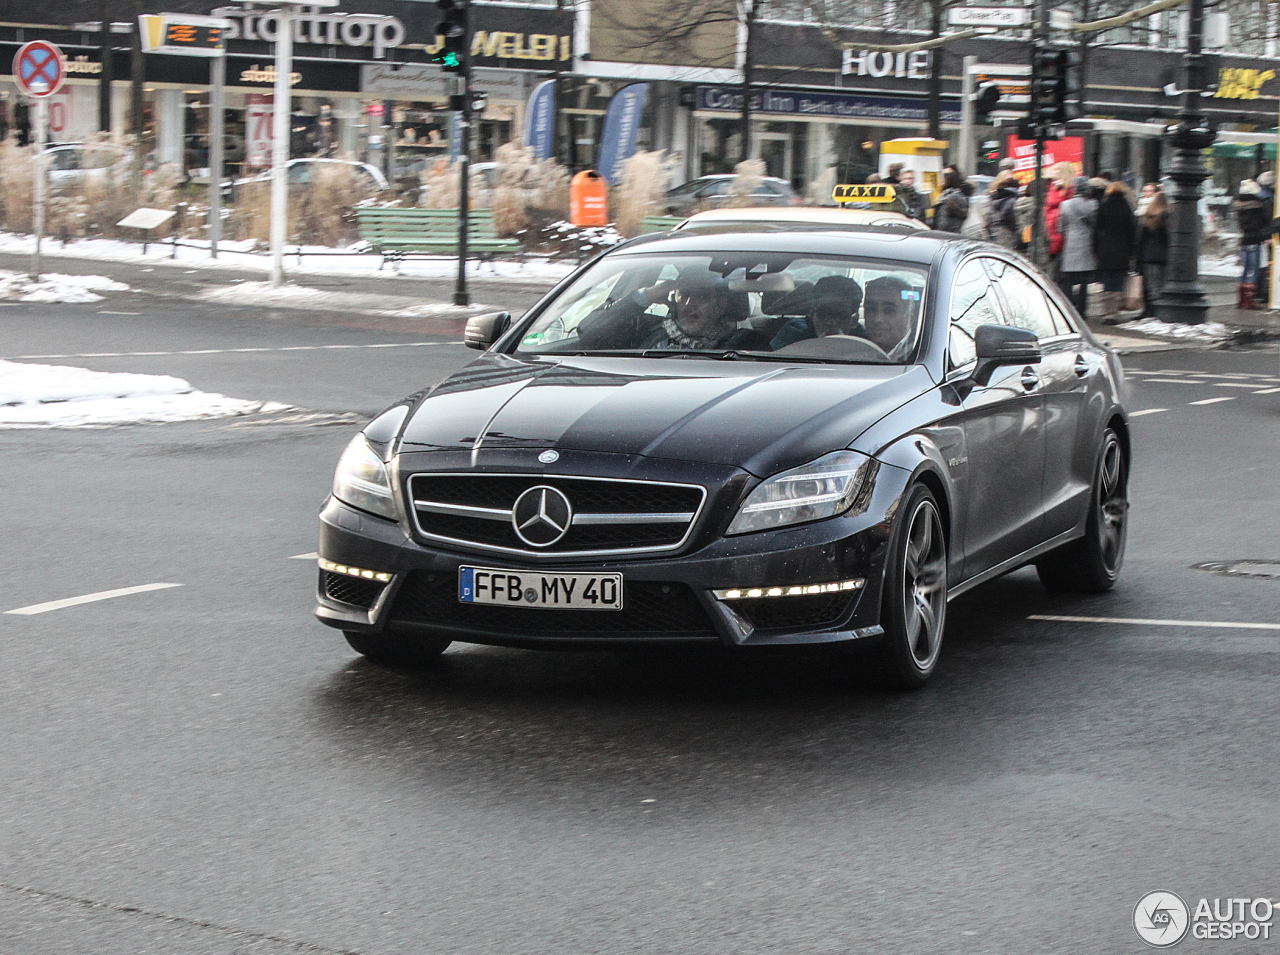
<point>1007,164</point>
<point>1113,242</point>
<point>1153,245</point>
<point>1060,190</point>
<point>1254,218</point>
<point>952,207</point>
<point>1024,210</point>
<point>1076,217</point>
<point>1149,190</point>
<point>1002,222</point>
<point>916,204</point>
<point>895,170</point>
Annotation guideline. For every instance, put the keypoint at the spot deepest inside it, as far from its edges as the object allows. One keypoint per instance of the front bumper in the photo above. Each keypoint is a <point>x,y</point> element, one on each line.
<point>667,599</point>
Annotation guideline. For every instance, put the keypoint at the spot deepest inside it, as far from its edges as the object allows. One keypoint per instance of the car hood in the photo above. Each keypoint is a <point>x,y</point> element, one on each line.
<point>760,416</point>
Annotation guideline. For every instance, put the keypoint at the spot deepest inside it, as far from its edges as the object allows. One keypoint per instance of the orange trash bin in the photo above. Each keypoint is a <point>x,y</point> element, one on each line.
<point>588,201</point>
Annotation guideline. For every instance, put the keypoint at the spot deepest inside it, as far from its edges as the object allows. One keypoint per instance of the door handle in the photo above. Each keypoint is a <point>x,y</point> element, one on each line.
<point>1081,366</point>
<point>1029,378</point>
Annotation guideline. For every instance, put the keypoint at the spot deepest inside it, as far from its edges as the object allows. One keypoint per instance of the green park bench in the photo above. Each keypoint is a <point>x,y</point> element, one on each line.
<point>659,223</point>
<point>397,233</point>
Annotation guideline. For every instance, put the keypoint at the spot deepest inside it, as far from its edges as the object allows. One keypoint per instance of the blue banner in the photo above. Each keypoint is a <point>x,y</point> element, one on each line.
<point>540,120</point>
<point>621,126</point>
<point>836,105</point>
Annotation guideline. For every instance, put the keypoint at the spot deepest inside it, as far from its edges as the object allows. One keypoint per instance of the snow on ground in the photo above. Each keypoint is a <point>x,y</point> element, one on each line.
<point>1224,265</point>
<point>54,287</point>
<point>316,260</point>
<point>1207,332</point>
<point>60,396</point>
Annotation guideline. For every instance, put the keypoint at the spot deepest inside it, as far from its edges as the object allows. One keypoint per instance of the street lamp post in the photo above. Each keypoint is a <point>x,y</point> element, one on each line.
<point>1182,299</point>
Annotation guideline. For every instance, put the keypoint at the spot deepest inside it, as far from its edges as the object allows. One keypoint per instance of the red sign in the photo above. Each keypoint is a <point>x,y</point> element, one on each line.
<point>259,123</point>
<point>39,68</point>
<point>1068,149</point>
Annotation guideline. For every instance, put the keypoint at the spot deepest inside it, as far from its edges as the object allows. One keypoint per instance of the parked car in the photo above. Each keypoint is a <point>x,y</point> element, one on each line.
<point>745,439</point>
<point>713,191</point>
<point>369,176</point>
<point>816,217</point>
<point>74,164</point>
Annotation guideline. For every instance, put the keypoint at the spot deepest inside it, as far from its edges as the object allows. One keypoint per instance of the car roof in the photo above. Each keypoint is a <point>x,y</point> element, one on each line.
<point>816,215</point>
<point>918,248</point>
<point>731,175</point>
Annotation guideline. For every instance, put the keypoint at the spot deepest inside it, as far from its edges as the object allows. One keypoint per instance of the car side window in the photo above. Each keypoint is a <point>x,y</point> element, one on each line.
<point>973,303</point>
<point>717,187</point>
<point>1060,321</point>
<point>1027,305</point>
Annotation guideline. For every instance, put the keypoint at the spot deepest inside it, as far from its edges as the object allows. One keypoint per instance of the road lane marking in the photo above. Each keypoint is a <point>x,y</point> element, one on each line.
<point>88,598</point>
<point>227,351</point>
<point>1267,391</point>
<point>1209,401</point>
<point>1234,384</point>
<point>1139,414</point>
<point>311,556</point>
<point>119,313</point>
<point>1142,621</point>
<point>1171,381</point>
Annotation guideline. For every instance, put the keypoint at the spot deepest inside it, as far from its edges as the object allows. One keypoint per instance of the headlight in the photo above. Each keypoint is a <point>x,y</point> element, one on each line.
<point>361,480</point>
<point>814,491</point>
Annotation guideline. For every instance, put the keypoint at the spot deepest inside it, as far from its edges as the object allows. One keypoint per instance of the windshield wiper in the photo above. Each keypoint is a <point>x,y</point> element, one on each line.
<point>690,353</point>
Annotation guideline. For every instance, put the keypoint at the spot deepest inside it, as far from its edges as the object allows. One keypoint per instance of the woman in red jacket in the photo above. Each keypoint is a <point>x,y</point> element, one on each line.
<point>1059,191</point>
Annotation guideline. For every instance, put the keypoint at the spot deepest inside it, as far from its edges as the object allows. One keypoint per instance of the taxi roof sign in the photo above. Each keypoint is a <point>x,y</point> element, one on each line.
<point>871,192</point>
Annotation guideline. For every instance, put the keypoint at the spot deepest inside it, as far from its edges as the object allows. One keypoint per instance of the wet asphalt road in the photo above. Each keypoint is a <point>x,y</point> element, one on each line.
<point>207,769</point>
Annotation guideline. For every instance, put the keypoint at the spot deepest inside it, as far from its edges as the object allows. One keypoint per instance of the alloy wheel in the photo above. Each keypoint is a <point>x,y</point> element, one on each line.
<point>924,585</point>
<point>1113,504</point>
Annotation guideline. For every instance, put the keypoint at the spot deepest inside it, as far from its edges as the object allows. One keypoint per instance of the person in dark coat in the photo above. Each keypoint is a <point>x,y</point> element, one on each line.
<point>917,203</point>
<point>1076,218</point>
<point>1113,244</point>
<point>1153,247</point>
<point>1253,214</point>
<point>1002,221</point>
<point>702,315</point>
<point>952,207</point>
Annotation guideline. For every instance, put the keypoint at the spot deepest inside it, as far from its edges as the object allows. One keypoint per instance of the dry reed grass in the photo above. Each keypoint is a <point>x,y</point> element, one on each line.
<point>640,193</point>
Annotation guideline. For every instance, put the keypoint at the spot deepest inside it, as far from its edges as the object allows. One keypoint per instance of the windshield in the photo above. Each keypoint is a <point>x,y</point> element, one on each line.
<point>755,305</point>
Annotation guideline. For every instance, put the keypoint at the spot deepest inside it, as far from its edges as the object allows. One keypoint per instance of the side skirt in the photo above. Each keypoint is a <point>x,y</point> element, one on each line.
<point>1013,563</point>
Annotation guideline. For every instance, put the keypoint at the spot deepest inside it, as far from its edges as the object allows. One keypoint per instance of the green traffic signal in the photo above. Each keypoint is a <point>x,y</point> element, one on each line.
<point>450,59</point>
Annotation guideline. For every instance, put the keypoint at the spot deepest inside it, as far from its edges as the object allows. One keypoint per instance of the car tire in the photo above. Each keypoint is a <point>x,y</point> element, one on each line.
<point>393,649</point>
<point>913,605</point>
<point>1091,564</point>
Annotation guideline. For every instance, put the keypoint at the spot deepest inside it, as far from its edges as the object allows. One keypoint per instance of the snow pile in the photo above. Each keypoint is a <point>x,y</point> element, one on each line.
<point>1207,332</point>
<point>53,287</point>
<point>48,396</point>
<point>1224,265</point>
<point>263,293</point>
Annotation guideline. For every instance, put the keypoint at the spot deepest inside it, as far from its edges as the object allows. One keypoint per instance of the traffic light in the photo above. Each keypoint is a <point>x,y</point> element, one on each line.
<point>1050,86</point>
<point>985,99</point>
<point>453,29</point>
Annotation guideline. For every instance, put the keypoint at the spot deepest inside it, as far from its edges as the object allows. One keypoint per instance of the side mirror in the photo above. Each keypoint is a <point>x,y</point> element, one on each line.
<point>998,345</point>
<point>483,330</point>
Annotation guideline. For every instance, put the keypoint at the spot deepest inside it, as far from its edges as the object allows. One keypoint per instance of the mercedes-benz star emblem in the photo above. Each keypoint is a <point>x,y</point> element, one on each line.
<point>542,516</point>
<point>549,456</point>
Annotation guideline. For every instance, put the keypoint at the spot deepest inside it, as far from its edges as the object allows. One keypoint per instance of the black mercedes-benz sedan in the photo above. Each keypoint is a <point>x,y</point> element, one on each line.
<point>746,439</point>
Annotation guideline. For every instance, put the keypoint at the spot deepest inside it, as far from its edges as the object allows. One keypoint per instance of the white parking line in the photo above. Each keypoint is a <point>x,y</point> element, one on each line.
<point>311,556</point>
<point>1139,414</point>
<point>88,598</point>
<point>1209,401</point>
<point>227,351</point>
<point>1142,621</point>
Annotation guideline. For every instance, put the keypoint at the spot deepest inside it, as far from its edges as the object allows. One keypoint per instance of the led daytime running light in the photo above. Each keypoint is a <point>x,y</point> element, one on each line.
<point>794,590</point>
<point>378,575</point>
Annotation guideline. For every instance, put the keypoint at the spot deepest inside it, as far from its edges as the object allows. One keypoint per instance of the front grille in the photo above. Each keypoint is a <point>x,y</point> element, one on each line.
<point>648,609</point>
<point>795,613</point>
<point>351,590</point>
<point>609,515</point>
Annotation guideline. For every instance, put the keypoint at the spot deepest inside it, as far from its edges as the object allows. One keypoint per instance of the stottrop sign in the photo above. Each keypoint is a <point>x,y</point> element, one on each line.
<point>39,68</point>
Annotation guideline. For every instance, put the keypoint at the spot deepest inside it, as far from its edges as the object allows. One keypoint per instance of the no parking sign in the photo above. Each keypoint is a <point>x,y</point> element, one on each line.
<point>39,68</point>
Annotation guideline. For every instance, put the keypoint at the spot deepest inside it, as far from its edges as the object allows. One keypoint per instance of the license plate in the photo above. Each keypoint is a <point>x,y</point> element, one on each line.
<point>522,588</point>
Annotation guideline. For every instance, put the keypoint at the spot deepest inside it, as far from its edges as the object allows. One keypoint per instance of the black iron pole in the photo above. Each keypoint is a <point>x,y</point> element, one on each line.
<point>107,74</point>
<point>460,295</point>
<point>1182,299</point>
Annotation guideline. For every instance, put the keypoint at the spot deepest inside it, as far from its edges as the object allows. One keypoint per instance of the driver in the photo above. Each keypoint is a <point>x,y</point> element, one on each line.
<point>889,314</point>
<point>699,317</point>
